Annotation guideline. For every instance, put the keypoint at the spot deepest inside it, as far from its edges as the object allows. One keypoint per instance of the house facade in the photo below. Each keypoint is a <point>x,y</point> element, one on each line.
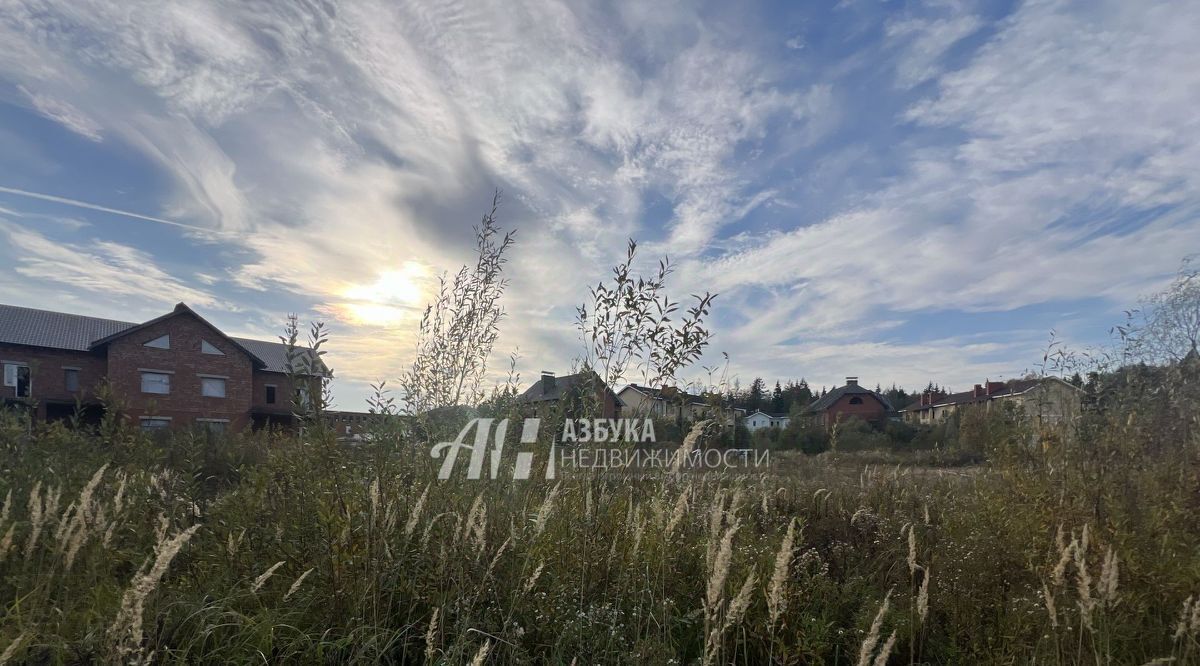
<point>849,401</point>
<point>672,404</point>
<point>570,394</point>
<point>761,419</point>
<point>1044,400</point>
<point>177,370</point>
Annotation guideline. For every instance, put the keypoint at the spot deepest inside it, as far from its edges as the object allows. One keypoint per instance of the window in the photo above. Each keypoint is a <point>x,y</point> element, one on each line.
<point>207,347</point>
<point>856,400</point>
<point>270,394</point>
<point>156,382</point>
<point>161,342</point>
<point>302,396</point>
<point>213,425</point>
<point>155,423</point>
<point>17,375</point>
<point>71,379</point>
<point>212,387</point>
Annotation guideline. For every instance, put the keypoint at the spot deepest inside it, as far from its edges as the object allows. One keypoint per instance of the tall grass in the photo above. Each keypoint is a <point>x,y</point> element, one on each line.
<point>809,562</point>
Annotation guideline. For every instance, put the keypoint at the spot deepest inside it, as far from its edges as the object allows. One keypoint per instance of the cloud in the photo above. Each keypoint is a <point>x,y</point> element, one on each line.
<point>1072,175</point>
<point>324,149</point>
<point>64,114</point>
<point>109,270</point>
<point>924,43</point>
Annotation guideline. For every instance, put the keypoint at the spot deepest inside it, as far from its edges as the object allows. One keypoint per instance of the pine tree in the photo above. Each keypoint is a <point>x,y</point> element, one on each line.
<point>757,396</point>
<point>778,402</point>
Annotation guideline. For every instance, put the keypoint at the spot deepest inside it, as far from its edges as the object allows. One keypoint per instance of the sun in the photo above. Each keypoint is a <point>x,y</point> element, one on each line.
<point>388,300</point>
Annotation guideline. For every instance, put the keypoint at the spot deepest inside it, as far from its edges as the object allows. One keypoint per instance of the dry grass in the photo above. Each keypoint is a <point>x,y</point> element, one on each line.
<point>808,562</point>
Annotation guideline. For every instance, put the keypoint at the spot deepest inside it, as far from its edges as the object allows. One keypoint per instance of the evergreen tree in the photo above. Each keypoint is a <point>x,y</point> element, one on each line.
<point>757,396</point>
<point>778,402</point>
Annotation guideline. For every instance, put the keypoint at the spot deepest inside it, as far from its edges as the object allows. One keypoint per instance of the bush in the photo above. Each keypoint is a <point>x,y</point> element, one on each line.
<point>854,434</point>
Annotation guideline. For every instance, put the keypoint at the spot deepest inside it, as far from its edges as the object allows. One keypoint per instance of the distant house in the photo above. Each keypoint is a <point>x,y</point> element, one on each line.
<point>761,419</point>
<point>177,370</point>
<point>569,394</point>
<point>1046,400</point>
<point>672,404</point>
<point>851,400</point>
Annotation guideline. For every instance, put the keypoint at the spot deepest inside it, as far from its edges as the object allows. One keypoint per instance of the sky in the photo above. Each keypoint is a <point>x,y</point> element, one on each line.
<point>901,191</point>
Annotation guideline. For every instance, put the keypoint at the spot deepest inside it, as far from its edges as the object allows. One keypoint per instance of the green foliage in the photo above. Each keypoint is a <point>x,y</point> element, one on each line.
<point>592,567</point>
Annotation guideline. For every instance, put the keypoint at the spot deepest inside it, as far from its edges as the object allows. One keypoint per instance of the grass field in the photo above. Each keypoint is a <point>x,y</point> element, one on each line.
<point>268,549</point>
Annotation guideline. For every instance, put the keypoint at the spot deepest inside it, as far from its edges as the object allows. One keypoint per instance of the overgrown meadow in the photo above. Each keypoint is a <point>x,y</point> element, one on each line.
<point>1078,544</point>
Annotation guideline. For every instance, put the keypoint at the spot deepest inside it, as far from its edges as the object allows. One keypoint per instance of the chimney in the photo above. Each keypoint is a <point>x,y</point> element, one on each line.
<point>547,382</point>
<point>852,381</point>
<point>978,392</point>
<point>992,388</point>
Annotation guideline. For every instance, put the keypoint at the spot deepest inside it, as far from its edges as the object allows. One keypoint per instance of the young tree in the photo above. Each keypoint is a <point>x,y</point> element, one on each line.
<point>1166,327</point>
<point>460,327</point>
<point>633,324</point>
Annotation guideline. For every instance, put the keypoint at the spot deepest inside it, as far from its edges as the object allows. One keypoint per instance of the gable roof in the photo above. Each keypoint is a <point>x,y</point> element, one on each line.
<point>180,309</point>
<point>61,330</point>
<point>562,386</point>
<point>768,414</point>
<point>826,401</point>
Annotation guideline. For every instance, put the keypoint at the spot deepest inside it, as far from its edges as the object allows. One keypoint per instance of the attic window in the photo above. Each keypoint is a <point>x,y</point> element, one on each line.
<point>856,400</point>
<point>161,342</point>
<point>207,348</point>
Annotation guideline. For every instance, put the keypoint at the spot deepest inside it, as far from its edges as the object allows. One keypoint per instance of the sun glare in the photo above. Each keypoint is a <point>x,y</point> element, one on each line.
<point>386,301</point>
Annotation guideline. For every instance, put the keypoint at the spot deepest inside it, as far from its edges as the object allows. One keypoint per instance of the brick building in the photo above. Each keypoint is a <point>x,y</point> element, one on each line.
<point>848,401</point>
<point>177,370</point>
<point>1046,400</point>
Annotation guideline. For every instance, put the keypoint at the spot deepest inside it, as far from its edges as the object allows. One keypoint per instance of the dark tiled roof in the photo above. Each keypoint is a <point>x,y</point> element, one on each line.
<point>849,389</point>
<point>562,386</point>
<point>55,330</point>
<point>272,354</point>
<point>72,332</point>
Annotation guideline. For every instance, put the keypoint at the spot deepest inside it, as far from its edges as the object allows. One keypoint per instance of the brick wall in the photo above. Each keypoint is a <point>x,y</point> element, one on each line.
<point>185,363</point>
<point>48,373</point>
<point>870,409</point>
<point>283,392</point>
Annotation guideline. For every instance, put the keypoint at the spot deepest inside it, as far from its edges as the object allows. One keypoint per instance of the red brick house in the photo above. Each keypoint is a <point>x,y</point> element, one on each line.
<point>849,401</point>
<point>177,370</point>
